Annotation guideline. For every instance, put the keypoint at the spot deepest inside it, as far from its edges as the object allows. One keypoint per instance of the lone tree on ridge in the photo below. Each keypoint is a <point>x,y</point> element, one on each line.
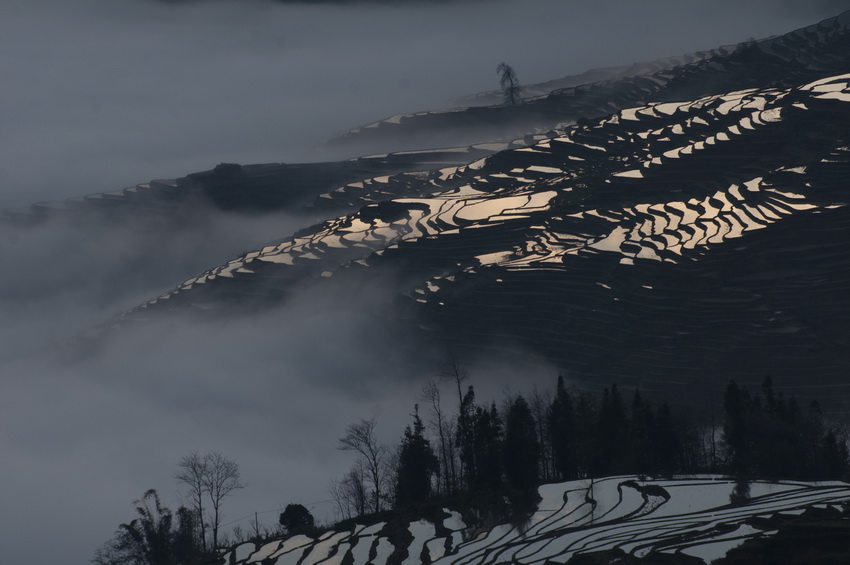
<point>509,83</point>
<point>361,438</point>
<point>212,475</point>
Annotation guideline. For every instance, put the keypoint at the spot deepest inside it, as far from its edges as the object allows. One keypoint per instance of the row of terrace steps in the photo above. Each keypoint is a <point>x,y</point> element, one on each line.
<point>260,187</point>
<point>536,163</point>
<point>529,91</point>
<point>800,56</point>
<point>533,91</point>
<point>408,184</point>
<point>700,267</point>
<point>638,516</point>
<point>160,196</point>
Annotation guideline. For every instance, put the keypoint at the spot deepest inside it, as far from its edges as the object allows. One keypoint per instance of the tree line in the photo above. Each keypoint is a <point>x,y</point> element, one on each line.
<point>554,435</point>
<point>567,434</point>
<point>160,536</point>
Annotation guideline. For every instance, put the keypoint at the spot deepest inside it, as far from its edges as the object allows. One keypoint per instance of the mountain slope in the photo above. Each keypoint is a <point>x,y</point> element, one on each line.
<point>642,518</point>
<point>706,236</point>
<point>408,142</point>
<point>667,244</point>
<point>784,61</point>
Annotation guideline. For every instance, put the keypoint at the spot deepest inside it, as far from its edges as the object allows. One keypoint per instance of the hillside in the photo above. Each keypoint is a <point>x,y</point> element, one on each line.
<point>698,230</point>
<point>685,520</point>
<point>784,61</point>
<point>695,238</point>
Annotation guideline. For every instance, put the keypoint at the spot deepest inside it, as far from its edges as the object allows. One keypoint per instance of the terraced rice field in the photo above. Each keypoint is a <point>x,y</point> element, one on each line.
<point>691,516</point>
<point>692,234</point>
<point>692,218</point>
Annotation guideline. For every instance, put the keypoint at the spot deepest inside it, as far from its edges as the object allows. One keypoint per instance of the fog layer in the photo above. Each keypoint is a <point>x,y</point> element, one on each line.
<point>101,94</point>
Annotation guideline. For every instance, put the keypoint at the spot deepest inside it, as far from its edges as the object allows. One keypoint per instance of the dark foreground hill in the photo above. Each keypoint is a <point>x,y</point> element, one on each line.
<point>623,520</point>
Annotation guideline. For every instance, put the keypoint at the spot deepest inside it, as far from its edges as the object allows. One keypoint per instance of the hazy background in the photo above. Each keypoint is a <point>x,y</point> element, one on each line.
<point>101,94</point>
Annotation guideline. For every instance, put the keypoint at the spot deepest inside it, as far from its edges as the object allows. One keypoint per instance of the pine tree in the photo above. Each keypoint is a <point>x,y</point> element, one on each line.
<point>612,431</point>
<point>585,435</point>
<point>642,456</point>
<point>666,441</point>
<point>562,433</point>
<point>521,450</point>
<point>834,456</point>
<point>737,428</point>
<point>488,448</point>
<point>416,465</point>
<point>777,439</point>
<point>465,437</point>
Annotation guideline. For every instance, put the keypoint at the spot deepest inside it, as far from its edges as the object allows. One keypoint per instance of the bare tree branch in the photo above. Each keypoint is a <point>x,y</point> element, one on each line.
<point>190,472</point>
<point>360,438</point>
<point>220,479</point>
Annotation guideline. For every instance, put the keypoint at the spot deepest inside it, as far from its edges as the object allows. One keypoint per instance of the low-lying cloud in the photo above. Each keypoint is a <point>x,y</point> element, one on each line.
<point>273,391</point>
<point>101,94</point>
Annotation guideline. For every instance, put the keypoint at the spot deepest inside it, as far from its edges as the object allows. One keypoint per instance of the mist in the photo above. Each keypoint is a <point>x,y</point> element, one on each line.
<point>273,391</point>
<point>102,94</point>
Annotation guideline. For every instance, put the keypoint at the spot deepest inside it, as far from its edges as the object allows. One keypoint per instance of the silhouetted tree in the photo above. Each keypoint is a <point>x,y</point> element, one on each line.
<point>296,519</point>
<point>465,437</point>
<point>741,493</point>
<point>186,543</point>
<point>443,427</point>
<point>777,436</point>
<point>641,449</point>
<point>361,438</point>
<point>220,478</point>
<point>520,446</point>
<point>737,428</point>
<point>453,370</point>
<point>153,538</point>
<point>666,441</point>
<point>769,436</point>
<point>487,429</point>
<point>612,433</point>
<point>479,441</point>
<point>416,465</point>
<point>350,494</point>
<point>562,433</point>
<point>834,455</point>
<point>811,430</point>
<point>509,83</point>
<point>541,407</point>
<point>190,472</point>
<point>212,475</point>
<point>585,434</point>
